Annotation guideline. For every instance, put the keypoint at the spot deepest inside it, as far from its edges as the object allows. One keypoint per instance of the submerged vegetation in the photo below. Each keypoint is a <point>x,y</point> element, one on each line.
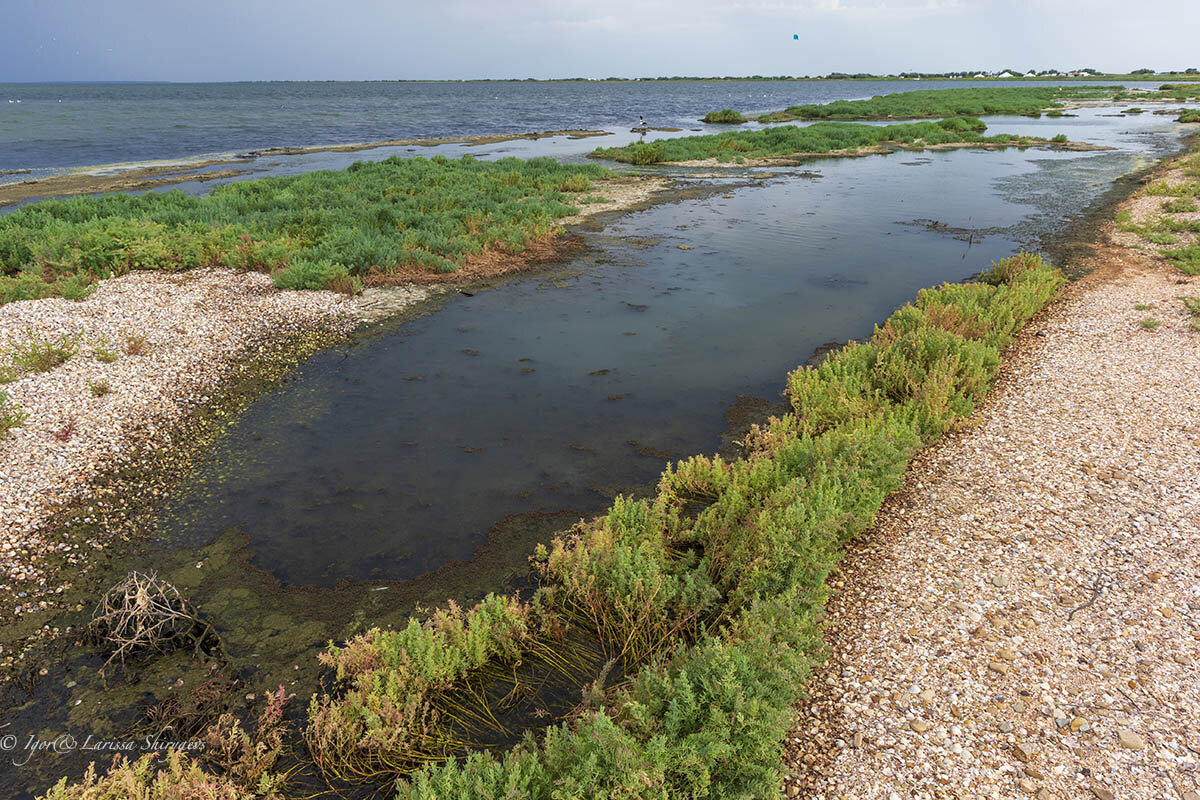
<point>821,138</point>
<point>725,115</point>
<point>327,229</point>
<point>1016,101</point>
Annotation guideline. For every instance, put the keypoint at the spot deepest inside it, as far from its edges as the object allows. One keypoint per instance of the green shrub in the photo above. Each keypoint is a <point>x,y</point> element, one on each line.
<point>1185,259</point>
<point>726,116</point>
<point>1182,205</point>
<point>305,274</point>
<point>43,355</point>
<point>178,777</point>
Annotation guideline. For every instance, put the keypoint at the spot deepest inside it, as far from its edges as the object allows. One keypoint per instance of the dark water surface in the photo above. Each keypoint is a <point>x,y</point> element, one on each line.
<point>54,127</point>
<point>385,460</point>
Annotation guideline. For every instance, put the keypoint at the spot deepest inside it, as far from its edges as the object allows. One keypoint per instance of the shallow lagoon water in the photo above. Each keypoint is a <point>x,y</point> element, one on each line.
<point>389,458</point>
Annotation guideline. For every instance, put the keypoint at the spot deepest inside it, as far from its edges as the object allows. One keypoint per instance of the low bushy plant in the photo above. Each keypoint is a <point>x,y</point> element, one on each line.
<point>726,116</point>
<point>1185,259</point>
<point>11,413</point>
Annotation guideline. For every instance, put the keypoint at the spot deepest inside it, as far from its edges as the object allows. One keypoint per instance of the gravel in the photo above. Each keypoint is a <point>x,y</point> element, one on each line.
<point>1032,597</point>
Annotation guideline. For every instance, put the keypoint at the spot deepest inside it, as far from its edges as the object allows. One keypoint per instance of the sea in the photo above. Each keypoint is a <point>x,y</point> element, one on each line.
<point>52,128</point>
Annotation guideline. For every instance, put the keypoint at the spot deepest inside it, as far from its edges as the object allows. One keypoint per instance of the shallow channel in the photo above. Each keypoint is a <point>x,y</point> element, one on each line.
<point>551,392</point>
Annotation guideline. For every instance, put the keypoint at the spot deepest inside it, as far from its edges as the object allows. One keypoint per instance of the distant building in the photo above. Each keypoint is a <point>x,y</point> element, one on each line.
<point>1006,74</point>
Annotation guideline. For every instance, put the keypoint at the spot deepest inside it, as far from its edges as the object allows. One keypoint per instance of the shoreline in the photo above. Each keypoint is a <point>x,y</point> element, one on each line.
<point>201,325</point>
<point>1012,623</point>
<point>84,180</point>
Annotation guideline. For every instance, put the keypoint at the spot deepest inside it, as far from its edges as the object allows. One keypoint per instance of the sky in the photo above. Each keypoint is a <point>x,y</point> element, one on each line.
<point>226,40</point>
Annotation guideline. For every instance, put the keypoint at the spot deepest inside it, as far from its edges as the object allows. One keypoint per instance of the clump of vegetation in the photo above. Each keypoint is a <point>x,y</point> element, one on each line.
<point>1182,205</point>
<point>1134,110</point>
<point>43,355</point>
<point>931,103</point>
<point>67,431</point>
<point>1189,115</point>
<point>102,351</point>
<point>1185,259</point>
<point>146,779</point>
<point>1165,189</point>
<point>326,229</point>
<point>138,344</point>
<point>99,388</point>
<point>1143,306</point>
<point>1192,306</point>
<point>11,413</point>
<point>386,719</point>
<point>1149,323</point>
<point>821,138</point>
<point>726,116</point>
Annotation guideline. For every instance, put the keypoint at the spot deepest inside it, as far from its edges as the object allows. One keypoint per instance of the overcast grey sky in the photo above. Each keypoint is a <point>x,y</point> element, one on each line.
<point>218,40</point>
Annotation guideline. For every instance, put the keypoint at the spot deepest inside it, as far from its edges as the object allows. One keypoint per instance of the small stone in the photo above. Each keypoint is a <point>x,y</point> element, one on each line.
<point>1000,581</point>
<point>858,739</point>
<point>1024,752</point>
<point>1006,727</point>
<point>1102,793</point>
<point>1033,772</point>
<point>1026,785</point>
<point>1077,724</point>
<point>927,696</point>
<point>1130,740</point>
<point>1190,795</point>
<point>919,725</point>
<point>1007,654</point>
<point>999,666</point>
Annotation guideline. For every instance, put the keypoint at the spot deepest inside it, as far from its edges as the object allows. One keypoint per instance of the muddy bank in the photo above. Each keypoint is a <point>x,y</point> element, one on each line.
<point>133,180</point>
<point>425,142</point>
